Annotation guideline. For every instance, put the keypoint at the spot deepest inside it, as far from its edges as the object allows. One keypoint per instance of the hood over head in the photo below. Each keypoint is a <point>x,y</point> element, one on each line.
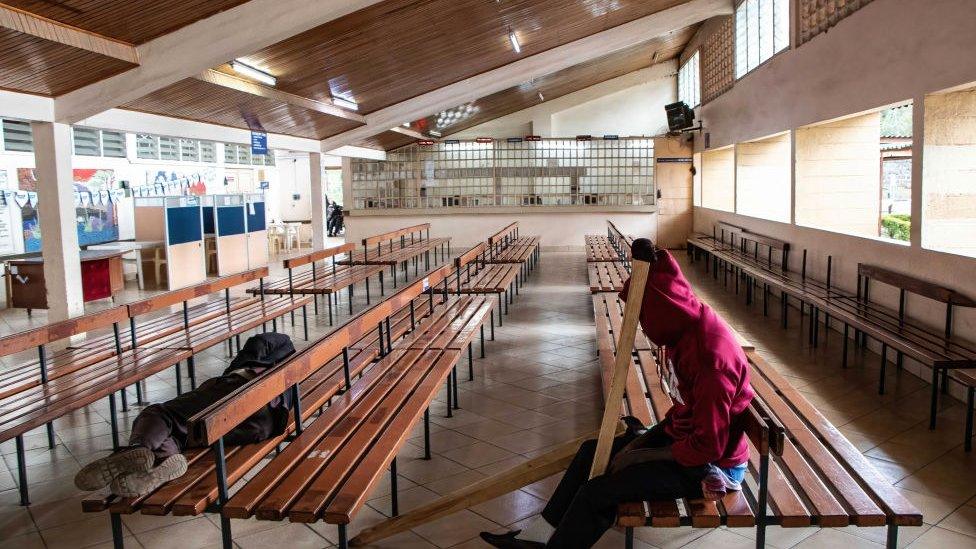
<point>262,351</point>
<point>670,307</point>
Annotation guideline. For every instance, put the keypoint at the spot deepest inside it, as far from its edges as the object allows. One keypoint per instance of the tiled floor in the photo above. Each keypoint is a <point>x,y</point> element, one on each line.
<point>538,387</point>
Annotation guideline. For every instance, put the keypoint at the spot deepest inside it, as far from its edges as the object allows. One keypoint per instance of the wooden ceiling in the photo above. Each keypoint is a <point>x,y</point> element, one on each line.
<point>33,65</point>
<point>194,99</point>
<point>551,86</point>
<point>399,49</point>
<point>132,21</point>
<point>387,141</point>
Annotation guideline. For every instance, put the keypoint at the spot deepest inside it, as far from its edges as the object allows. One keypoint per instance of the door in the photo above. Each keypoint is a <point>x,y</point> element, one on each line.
<point>673,179</point>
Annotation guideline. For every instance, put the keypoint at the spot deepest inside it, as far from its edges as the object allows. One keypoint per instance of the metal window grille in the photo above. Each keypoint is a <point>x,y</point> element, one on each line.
<point>169,148</point>
<point>113,144</point>
<point>17,136</point>
<point>208,152</point>
<point>86,142</point>
<point>147,147</point>
<point>189,150</point>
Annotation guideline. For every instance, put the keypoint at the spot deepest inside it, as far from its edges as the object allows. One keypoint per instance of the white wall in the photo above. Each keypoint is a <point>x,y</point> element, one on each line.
<point>887,52</point>
<point>558,230</point>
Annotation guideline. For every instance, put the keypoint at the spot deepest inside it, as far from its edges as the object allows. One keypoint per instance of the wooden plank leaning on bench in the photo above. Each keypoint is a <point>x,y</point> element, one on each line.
<point>806,470</point>
<point>400,247</point>
<point>206,481</point>
<point>327,279</point>
<point>475,276</point>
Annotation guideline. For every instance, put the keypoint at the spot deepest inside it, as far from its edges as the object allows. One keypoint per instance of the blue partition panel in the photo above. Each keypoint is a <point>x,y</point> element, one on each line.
<point>255,220</point>
<point>230,220</point>
<point>208,220</point>
<point>183,224</point>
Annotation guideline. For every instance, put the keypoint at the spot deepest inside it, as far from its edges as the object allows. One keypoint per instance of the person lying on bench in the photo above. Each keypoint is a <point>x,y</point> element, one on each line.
<point>695,450</point>
<point>159,433</point>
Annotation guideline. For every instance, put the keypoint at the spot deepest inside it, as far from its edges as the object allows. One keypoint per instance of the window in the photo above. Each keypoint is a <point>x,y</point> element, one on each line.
<point>169,148</point>
<point>147,147</point>
<point>549,172</point>
<point>113,144</point>
<point>948,185</point>
<point>853,175</point>
<point>689,83</point>
<point>230,153</point>
<point>189,150</point>
<point>86,142</point>
<point>208,152</point>
<point>763,178</point>
<point>718,179</point>
<point>762,28</point>
<point>17,136</point>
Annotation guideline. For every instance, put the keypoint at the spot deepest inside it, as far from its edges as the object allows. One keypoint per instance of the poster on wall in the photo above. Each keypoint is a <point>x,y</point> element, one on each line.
<point>7,244</point>
<point>179,182</point>
<point>96,213</point>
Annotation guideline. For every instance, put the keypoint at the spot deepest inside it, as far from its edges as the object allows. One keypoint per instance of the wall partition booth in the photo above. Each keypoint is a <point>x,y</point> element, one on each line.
<point>177,221</point>
<point>257,230</point>
<point>225,233</point>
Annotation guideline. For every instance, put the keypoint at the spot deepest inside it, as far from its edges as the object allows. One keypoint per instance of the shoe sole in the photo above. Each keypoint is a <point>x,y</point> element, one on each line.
<point>141,483</point>
<point>100,473</point>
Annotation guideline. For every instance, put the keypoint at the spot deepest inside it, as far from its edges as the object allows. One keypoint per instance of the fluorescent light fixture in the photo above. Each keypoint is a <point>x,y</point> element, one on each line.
<point>406,124</point>
<point>515,43</point>
<point>345,103</point>
<point>435,133</point>
<point>250,72</point>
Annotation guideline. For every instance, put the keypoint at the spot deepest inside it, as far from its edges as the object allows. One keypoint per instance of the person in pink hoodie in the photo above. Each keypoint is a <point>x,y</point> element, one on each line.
<point>694,452</point>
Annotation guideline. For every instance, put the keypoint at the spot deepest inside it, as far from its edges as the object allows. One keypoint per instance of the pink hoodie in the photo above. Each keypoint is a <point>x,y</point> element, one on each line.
<point>710,383</point>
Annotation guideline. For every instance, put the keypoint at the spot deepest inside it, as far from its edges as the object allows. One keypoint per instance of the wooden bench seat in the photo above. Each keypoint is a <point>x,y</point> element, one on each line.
<point>507,246</point>
<point>813,475</point>
<point>473,275</point>
<point>607,276</point>
<point>400,247</point>
<point>599,248</point>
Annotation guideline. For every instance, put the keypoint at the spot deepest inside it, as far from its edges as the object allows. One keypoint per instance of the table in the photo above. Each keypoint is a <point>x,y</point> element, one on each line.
<point>132,246</point>
<point>101,278</point>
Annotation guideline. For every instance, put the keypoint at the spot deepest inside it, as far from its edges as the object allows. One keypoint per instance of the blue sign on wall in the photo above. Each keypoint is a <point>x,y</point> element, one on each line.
<point>259,143</point>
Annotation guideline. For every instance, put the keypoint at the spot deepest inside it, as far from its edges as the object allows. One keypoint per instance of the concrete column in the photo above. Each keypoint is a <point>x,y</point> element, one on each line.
<point>56,212</point>
<point>318,200</point>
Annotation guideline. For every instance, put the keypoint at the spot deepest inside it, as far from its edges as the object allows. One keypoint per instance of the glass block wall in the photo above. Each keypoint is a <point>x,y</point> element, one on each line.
<point>472,174</point>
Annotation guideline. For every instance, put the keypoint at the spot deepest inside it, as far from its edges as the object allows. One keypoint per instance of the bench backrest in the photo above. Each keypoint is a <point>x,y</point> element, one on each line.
<point>469,256</point>
<point>726,232</point>
<point>509,230</point>
<point>318,255</point>
<point>49,333</point>
<point>406,231</point>
<point>914,285</point>
<point>182,295</point>
<point>215,421</point>
<point>765,247</point>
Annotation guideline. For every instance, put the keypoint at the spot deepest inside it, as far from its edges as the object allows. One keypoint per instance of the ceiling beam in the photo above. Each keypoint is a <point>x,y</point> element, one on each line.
<point>207,43</point>
<point>410,132</point>
<point>47,29</point>
<point>239,84</point>
<point>535,66</point>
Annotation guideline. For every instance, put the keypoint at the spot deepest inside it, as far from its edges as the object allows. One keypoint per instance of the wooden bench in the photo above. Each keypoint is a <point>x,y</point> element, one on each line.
<point>436,325</point>
<point>327,279</point>
<point>400,247</point>
<point>473,275</point>
<point>507,246</point>
<point>803,471</point>
<point>940,350</point>
<point>620,241</point>
<point>607,276</point>
<point>599,248</point>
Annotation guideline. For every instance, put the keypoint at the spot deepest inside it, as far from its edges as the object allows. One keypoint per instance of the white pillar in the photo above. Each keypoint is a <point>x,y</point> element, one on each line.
<point>318,200</point>
<point>56,214</point>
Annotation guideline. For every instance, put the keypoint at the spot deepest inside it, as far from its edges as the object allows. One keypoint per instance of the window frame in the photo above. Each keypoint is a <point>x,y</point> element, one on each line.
<point>735,37</point>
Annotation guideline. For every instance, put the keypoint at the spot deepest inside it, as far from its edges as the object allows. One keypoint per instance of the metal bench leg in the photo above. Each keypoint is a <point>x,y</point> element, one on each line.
<point>51,443</point>
<point>454,375</point>
<point>274,324</point>
<point>139,399</point>
<point>970,394</point>
<point>179,378</point>
<point>785,303</point>
<point>393,275</point>
<point>191,370</point>
<point>450,406</point>
<point>482,341</point>
<point>350,298</point>
<point>884,367</point>
<point>114,420</point>
<point>343,542</point>
<point>220,468</point>
<point>892,542</point>
<point>470,361</point>
<point>22,470</point>
<point>330,308</point>
<point>933,406</point>
<point>501,307</point>
<point>847,331</point>
<point>493,325</point>
<point>427,433</point>
<point>629,538</point>
<point>125,408</point>
<point>367,290</point>
<point>394,504</point>
<point>116,520</point>
<point>305,321</point>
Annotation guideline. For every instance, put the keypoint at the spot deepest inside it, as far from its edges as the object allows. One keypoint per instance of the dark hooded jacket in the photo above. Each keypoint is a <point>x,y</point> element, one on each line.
<point>708,374</point>
<point>259,353</point>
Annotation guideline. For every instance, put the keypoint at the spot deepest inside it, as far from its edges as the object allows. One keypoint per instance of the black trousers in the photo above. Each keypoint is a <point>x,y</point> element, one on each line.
<point>582,510</point>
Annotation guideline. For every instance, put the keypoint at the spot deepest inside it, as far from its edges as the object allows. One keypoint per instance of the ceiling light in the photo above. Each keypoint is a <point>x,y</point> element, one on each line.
<point>515,43</point>
<point>406,124</point>
<point>435,133</point>
<point>345,103</point>
<point>249,71</point>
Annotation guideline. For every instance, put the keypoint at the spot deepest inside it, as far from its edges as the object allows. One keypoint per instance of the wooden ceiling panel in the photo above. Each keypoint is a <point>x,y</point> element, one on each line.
<point>133,21</point>
<point>194,99</point>
<point>34,65</point>
<point>398,49</point>
<point>562,82</point>
<point>387,141</point>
